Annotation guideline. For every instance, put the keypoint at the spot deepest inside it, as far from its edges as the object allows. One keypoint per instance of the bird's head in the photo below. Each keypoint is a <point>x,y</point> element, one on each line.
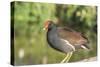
<point>48,24</point>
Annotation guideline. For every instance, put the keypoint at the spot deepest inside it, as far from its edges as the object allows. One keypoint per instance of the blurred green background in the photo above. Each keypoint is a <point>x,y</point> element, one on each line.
<point>30,45</point>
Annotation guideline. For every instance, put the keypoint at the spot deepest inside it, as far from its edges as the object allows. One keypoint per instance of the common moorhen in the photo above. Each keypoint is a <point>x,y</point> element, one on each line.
<point>64,39</point>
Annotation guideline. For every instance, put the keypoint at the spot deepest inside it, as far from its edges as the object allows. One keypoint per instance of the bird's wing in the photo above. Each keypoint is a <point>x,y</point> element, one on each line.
<point>74,38</point>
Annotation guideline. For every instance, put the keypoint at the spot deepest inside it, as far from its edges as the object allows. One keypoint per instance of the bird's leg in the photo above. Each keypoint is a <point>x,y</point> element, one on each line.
<point>65,58</point>
<point>70,54</point>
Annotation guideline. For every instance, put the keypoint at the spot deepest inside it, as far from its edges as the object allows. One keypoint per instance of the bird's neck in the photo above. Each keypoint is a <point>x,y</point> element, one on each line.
<point>52,33</point>
<point>52,29</point>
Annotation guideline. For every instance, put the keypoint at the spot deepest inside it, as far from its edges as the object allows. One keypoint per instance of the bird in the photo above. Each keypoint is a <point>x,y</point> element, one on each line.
<point>64,39</point>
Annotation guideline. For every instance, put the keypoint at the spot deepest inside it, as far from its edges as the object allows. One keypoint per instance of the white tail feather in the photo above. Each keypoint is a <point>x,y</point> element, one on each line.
<point>82,46</point>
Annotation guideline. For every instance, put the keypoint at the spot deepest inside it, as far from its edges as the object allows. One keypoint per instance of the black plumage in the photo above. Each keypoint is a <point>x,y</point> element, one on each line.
<point>64,39</point>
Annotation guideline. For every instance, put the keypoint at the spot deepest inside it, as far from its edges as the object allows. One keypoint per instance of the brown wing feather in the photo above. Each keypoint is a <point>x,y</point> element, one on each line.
<point>74,38</point>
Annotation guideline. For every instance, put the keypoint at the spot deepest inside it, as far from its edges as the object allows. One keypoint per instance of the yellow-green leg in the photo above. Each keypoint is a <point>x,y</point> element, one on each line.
<point>70,54</point>
<point>67,58</point>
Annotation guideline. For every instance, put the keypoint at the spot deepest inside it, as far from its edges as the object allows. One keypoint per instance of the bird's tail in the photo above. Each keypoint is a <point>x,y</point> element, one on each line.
<point>84,46</point>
